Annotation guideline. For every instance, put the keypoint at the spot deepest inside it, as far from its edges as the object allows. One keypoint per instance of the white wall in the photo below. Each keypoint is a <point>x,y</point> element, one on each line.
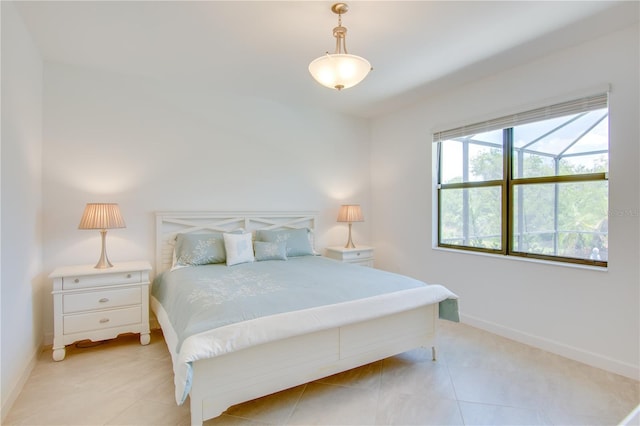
<point>588,315</point>
<point>22,285</point>
<point>153,146</point>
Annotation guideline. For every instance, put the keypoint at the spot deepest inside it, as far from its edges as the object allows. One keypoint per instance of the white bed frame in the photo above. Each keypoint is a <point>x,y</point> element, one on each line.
<point>223,381</point>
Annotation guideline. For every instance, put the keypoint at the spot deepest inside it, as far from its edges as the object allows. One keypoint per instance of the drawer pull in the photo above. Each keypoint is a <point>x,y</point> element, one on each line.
<point>358,254</point>
<point>104,320</point>
<point>77,280</point>
<point>103,300</point>
<point>128,275</point>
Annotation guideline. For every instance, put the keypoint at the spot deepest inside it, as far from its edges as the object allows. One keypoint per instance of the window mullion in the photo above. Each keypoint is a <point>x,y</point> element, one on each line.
<point>556,205</point>
<point>481,184</point>
<point>439,192</point>
<point>465,192</point>
<point>521,222</point>
<point>560,179</point>
<point>507,189</point>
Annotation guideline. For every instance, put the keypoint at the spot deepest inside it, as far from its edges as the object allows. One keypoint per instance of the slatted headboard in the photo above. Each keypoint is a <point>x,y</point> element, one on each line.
<point>169,224</point>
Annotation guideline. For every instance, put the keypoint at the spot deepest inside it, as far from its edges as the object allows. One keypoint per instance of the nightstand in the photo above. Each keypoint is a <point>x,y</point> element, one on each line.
<point>361,255</point>
<point>99,304</point>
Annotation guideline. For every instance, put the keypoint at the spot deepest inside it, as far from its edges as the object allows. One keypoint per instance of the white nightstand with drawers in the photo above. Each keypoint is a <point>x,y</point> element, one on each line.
<point>361,255</point>
<point>99,304</point>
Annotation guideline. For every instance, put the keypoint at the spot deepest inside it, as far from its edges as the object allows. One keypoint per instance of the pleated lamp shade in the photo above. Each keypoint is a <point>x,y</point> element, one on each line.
<point>350,213</point>
<point>101,216</point>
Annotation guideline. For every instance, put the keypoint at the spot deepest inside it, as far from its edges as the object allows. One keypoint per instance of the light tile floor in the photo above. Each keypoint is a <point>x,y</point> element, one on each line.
<point>479,379</point>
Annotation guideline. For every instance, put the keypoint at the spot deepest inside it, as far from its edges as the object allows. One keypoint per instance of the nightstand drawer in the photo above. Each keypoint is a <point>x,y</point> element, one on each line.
<point>103,319</point>
<point>362,255</point>
<point>101,299</point>
<point>356,255</point>
<point>363,262</point>
<point>84,281</point>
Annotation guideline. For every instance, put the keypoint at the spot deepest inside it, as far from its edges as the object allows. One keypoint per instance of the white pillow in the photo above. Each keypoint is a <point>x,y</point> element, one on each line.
<point>239,248</point>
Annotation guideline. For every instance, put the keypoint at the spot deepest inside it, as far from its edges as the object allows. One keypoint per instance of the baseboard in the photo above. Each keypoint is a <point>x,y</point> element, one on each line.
<point>48,339</point>
<point>633,418</point>
<point>13,394</point>
<point>153,323</point>
<point>558,348</point>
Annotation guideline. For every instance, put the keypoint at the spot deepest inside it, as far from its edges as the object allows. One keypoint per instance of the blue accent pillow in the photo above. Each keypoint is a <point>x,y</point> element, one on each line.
<point>270,251</point>
<point>199,249</point>
<point>298,241</point>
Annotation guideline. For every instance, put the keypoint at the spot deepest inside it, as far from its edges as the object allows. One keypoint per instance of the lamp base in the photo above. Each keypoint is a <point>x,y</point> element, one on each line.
<point>350,242</point>
<point>103,262</point>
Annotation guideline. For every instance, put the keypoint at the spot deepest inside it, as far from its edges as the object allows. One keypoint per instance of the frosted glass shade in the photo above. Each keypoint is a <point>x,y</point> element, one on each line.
<point>339,70</point>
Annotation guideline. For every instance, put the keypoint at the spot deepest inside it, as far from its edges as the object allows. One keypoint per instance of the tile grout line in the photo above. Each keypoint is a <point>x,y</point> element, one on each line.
<point>295,405</point>
<point>455,392</point>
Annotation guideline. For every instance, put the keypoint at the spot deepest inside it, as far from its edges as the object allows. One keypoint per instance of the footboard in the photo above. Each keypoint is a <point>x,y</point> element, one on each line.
<point>230,379</point>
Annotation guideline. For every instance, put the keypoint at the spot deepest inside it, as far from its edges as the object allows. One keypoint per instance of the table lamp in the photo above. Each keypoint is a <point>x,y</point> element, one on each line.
<point>350,213</point>
<point>102,216</point>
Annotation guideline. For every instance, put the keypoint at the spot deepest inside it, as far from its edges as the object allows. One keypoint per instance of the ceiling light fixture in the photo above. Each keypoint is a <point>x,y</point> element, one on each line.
<point>339,70</point>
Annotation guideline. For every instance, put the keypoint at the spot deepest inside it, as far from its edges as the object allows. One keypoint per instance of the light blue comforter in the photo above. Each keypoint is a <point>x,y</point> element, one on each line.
<point>200,298</point>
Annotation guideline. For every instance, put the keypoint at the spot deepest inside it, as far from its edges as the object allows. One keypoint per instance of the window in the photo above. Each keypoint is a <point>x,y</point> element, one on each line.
<point>533,184</point>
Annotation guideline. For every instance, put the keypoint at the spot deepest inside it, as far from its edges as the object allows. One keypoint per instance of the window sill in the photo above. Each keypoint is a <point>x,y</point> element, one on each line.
<point>523,259</point>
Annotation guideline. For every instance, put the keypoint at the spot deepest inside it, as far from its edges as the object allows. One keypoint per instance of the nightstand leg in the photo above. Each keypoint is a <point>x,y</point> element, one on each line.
<point>145,338</point>
<point>58,354</point>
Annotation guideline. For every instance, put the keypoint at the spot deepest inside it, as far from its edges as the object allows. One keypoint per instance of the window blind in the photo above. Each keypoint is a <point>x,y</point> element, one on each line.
<point>576,106</point>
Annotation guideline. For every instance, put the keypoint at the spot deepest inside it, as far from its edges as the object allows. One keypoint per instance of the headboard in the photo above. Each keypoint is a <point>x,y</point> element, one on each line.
<point>168,224</point>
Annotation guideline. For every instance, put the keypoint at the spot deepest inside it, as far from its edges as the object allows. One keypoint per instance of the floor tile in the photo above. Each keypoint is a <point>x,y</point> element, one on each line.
<point>479,379</point>
<point>496,415</point>
<point>150,413</point>
<point>404,375</point>
<point>418,409</point>
<point>77,407</point>
<point>509,388</point>
<point>271,409</point>
<point>367,376</point>
<point>323,404</point>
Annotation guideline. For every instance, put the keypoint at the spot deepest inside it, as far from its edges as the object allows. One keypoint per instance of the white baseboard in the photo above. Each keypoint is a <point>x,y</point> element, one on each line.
<point>48,339</point>
<point>153,323</point>
<point>633,418</point>
<point>558,348</point>
<point>14,392</point>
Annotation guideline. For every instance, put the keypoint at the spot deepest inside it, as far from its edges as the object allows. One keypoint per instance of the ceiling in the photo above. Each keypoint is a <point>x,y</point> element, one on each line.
<point>263,48</point>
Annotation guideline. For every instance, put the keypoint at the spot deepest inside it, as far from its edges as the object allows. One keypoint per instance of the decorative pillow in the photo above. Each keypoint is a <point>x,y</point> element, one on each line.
<point>298,240</point>
<point>239,248</point>
<point>199,249</point>
<point>270,251</point>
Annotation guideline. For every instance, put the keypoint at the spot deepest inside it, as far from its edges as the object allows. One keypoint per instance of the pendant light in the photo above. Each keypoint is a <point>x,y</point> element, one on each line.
<point>339,70</point>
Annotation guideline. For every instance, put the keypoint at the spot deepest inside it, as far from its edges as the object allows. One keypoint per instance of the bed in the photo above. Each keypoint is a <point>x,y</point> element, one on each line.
<point>311,316</point>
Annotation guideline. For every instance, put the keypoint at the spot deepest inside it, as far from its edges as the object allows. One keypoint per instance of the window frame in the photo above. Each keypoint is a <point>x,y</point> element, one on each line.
<point>509,184</point>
